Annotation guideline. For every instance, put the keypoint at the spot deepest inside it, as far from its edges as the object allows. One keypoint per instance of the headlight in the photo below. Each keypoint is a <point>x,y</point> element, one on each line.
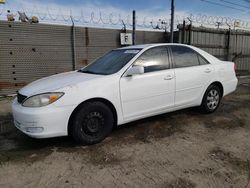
<point>42,99</point>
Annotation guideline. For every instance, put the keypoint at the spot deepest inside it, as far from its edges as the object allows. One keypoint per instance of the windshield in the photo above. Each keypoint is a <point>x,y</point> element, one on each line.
<point>111,62</point>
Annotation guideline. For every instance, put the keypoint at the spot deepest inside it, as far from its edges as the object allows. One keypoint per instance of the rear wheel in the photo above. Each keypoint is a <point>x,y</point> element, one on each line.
<point>92,123</point>
<point>211,99</point>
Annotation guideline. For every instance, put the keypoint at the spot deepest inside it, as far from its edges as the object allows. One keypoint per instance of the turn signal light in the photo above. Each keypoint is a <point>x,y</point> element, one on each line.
<point>53,98</point>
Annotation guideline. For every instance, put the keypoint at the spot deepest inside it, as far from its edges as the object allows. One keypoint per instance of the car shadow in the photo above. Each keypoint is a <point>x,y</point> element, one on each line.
<point>16,140</point>
<point>16,146</point>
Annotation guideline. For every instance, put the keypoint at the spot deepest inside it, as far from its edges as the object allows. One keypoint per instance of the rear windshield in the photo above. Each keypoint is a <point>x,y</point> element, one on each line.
<point>111,62</point>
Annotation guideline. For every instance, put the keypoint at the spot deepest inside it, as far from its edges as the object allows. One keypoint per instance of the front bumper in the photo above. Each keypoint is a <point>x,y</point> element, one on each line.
<point>43,122</point>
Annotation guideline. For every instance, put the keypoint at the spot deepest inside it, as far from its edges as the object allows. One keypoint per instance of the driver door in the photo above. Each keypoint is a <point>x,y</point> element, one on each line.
<point>151,92</point>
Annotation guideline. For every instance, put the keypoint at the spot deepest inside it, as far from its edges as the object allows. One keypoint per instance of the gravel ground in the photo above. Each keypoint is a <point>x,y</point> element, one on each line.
<point>179,149</point>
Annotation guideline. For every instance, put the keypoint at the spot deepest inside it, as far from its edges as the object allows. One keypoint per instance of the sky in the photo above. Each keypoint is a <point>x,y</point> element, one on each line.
<point>111,12</point>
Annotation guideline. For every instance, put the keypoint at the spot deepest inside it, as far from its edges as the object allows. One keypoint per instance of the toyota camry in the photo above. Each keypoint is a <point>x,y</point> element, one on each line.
<point>124,85</point>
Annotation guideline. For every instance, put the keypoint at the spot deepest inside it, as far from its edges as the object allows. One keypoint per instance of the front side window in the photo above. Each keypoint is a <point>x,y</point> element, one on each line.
<point>184,56</point>
<point>154,59</point>
<point>111,62</point>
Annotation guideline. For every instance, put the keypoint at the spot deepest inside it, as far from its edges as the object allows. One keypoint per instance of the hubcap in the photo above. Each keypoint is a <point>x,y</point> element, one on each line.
<point>213,99</point>
<point>93,123</point>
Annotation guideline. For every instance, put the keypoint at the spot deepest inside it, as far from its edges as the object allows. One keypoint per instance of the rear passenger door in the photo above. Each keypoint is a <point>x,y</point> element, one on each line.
<point>192,73</point>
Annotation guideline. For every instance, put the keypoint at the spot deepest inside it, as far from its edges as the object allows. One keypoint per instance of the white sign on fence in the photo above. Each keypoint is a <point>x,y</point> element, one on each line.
<point>126,38</point>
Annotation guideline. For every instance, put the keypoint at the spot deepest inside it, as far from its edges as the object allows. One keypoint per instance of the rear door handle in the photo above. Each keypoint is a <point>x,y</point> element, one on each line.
<point>168,77</point>
<point>207,70</point>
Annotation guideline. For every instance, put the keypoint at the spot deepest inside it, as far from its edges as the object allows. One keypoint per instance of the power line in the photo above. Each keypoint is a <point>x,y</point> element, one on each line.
<point>223,5</point>
<point>236,4</point>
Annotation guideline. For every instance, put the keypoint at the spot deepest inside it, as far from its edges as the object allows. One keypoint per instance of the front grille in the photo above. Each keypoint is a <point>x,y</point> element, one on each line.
<point>20,97</point>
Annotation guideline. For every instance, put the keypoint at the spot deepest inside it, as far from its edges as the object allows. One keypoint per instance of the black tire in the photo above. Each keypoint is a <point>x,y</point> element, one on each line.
<point>92,123</point>
<point>211,99</point>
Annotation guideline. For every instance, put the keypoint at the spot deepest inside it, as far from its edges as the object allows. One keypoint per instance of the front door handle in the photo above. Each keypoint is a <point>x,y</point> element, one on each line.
<point>168,77</point>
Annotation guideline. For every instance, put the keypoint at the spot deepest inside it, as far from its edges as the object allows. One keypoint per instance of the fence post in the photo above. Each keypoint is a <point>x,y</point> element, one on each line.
<point>134,23</point>
<point>73,38</point>
<point>228,44</point>
<point>190,34</point>
<point>183,32</point>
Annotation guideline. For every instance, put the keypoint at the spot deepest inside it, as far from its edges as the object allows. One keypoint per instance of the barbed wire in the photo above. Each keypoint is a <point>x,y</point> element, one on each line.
<point>204,19</point>
<point>94,18</point>
<point>117,20</point>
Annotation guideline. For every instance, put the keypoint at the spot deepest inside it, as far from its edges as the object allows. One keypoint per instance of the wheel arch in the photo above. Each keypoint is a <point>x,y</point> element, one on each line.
<point>202,106</point>
<point>219,85</point>
<point>103,100</point>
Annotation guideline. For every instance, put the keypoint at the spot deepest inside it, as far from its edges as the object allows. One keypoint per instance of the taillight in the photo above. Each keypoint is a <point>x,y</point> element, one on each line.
<point>235,66</point>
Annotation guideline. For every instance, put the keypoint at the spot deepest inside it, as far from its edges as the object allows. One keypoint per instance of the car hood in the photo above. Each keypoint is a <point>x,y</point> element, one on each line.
<point>55,82</point>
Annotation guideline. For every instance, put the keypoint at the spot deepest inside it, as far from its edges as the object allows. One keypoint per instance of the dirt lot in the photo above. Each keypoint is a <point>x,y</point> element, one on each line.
<point>180,149</point>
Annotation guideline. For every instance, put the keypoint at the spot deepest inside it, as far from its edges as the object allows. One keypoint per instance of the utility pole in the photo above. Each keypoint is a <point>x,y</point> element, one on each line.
<point>134,23</point>
<point>172,22</point>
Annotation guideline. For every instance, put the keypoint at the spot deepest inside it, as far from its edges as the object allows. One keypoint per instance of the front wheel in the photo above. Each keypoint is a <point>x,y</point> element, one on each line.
<point>92,123</point>
<point>211,99</point>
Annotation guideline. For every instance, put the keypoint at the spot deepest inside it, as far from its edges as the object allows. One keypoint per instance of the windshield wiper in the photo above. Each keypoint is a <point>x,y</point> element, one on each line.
<point>90,72</point>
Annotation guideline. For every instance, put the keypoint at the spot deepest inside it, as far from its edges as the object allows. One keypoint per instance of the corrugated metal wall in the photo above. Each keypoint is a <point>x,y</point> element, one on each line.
<point>29,52</point>
<point>32,51</point>
<point>224,44</point>
<point>240,47</point>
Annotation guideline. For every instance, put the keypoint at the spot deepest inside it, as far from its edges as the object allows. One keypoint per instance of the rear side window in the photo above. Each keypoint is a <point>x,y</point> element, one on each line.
<point>202,61</point>
<point>185,57</point>
<point>154,59</point>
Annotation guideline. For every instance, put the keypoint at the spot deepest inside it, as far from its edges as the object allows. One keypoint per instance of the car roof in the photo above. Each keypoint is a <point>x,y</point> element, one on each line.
<point>208,56</point>
<point>142,46</point>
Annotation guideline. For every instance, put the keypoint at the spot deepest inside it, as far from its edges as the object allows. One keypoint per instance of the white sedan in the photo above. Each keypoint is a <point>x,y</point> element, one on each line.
<point>124,85</point>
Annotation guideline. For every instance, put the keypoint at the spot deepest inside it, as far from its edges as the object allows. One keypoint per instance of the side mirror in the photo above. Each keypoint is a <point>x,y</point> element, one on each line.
<point>135,70</point>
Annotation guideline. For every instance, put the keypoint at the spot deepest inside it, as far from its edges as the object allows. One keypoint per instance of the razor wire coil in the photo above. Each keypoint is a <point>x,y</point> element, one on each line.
<point>112,19</point>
